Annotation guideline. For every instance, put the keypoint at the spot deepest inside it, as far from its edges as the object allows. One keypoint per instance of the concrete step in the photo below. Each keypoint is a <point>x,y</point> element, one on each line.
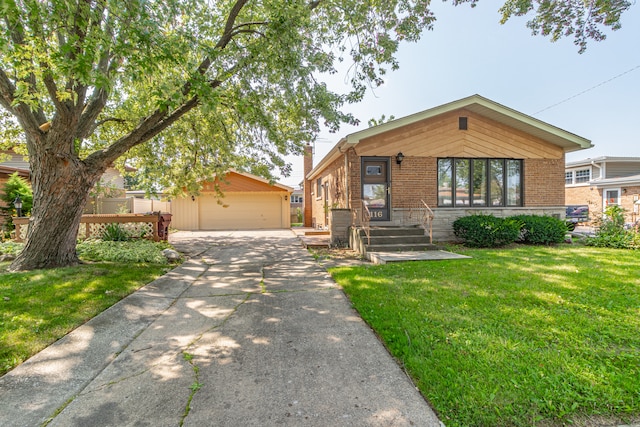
<point>392,240</point>
<point>317,233</point>
<point>402,247</point>
<point>394,231</point>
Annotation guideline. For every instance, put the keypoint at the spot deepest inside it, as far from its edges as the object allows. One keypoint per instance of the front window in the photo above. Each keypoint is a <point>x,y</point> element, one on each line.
<point>479,182</point>
<point>514,179</point>
<point>445,177</point>
<point>462,182</point>
<point>496,179</point>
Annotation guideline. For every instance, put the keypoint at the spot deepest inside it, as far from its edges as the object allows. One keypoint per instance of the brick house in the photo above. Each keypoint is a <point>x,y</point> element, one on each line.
<point>468,156</point>
<point>603,181</point>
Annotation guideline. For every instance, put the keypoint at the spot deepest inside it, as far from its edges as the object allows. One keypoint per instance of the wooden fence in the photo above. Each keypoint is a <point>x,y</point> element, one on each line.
<point>134,205</point>
<point>151,226</point>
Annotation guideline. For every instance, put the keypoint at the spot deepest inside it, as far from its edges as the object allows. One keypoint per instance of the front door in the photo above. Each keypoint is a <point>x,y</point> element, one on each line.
<point>375,187</point>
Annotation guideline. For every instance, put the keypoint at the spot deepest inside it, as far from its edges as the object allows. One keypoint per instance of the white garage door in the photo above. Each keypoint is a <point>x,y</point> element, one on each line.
<point>240,211</point>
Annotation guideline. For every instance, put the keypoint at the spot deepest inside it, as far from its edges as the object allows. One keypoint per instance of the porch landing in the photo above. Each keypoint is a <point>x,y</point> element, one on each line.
<point>435,255</point>
<point>312,238</point>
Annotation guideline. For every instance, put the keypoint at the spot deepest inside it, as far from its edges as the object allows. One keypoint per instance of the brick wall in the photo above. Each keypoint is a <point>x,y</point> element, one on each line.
<point>307,186</point>
<point>414,180</point>
<point>334,183</point>
<point>627,203</point>
<point>544,182</point>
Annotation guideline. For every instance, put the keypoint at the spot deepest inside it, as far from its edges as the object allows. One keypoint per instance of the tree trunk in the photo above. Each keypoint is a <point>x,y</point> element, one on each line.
<point>61,185</point>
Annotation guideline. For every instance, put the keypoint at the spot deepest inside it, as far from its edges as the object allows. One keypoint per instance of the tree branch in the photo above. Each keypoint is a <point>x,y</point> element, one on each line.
<point>161,119</point>
<point>7,89</point>
<point>314,4</point>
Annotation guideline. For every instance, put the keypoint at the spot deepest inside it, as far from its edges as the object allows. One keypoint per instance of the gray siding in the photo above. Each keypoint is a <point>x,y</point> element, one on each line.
<point>619,170</point>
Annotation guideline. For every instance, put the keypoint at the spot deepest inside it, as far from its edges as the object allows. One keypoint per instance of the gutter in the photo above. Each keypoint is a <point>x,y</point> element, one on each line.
<point>331,156</point>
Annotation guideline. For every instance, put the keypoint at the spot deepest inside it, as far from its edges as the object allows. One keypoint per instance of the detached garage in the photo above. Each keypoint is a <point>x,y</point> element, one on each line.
<point>249,202</point>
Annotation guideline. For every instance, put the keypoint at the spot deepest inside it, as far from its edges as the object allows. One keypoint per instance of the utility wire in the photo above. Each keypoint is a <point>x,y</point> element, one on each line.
<point>587,90</point>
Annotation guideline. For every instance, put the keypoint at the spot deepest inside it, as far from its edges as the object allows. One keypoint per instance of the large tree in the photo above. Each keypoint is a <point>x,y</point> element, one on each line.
<point>91,82</point>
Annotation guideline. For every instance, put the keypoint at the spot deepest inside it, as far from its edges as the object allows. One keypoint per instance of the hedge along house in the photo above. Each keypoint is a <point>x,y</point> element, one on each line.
<point>466,157</point>
<point>248,202</point>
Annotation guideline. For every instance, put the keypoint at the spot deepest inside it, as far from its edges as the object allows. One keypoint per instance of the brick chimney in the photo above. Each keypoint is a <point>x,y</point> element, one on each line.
<point>308,165</point>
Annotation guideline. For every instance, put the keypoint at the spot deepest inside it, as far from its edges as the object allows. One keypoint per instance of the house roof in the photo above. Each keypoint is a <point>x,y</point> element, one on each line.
<point>10,170</point>
<point>602,159</point>
<point>608,182</point>
<point>477,104</point>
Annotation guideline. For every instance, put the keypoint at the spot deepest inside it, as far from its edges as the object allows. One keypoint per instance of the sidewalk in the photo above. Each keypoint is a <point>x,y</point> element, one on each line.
<point>250,331</point>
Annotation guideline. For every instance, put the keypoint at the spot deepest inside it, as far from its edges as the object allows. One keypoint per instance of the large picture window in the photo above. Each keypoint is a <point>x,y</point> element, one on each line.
<point>479,182</point>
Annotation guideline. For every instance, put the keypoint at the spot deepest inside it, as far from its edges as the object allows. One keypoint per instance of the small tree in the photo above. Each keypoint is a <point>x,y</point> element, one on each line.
<point>611,231</point>
<point>15,186</point>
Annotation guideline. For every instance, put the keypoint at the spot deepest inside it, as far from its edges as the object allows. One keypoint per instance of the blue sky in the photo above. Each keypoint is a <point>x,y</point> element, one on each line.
<point>469,52</point>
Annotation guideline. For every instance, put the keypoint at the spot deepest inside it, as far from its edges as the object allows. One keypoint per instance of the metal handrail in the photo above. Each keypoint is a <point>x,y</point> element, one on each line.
<point>366,221</point>
<point>425,217</point>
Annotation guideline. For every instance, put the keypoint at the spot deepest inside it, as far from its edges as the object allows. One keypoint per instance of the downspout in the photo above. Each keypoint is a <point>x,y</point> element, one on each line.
<point>347,183</point>
<point>593,163</point>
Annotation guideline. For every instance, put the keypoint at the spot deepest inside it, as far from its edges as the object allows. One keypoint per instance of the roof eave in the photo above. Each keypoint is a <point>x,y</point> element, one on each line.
<point>568,141</point>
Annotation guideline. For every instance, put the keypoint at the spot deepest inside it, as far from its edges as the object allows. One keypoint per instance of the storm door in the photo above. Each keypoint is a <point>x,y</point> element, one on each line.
<point>375,187</point>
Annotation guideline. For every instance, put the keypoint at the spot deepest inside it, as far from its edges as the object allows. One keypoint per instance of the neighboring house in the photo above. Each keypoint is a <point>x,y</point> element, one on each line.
<point>604,181</point>
<point>18,163</point>
<point>249,202</point>
<point>15,164</point>
<point>296,203</point>
<point>466,157</point>
<point>112,178</point>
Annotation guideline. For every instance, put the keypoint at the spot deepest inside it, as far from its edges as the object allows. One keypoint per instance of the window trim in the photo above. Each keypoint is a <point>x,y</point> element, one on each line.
<point>319,188</point>
<point>574,177</point>
<point>487,183</point>
<point>605,199</point>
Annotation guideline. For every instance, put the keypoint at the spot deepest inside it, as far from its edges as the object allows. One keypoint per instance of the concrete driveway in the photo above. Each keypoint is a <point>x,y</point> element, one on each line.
<point>250,331</point>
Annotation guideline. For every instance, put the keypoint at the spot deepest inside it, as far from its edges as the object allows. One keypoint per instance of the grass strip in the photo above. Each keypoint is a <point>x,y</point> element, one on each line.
<point>512,337</point>
<point>39,307</point>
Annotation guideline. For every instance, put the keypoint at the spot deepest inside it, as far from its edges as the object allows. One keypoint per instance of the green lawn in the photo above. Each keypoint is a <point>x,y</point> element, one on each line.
<point>39,307</point>
<point>513,337</point>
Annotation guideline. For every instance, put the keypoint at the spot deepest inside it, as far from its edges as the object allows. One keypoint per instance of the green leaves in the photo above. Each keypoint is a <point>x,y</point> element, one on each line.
<point>556,19</point>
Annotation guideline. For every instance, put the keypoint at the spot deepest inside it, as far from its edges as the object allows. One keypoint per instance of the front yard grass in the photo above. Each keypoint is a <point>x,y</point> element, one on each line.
<point>544,336</point>
<point>39,307</point>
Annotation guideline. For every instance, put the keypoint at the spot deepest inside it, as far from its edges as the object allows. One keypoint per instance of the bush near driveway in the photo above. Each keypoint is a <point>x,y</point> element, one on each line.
<point>525,336</point>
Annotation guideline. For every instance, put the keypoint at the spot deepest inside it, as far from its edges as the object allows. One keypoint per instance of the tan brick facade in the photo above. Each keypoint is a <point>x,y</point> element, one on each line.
<point>423,142</point>
<point>332,193</point>
<point>544,182</point>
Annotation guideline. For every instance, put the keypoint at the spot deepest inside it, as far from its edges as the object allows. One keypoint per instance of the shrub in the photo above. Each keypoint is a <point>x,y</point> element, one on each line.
<point>133,251</point>
<point>541,230</point>
<point>11,248</point>
<point>611,232</point>
<point>16,186</point>
<point>486,231</point>
<point>115,233</point>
